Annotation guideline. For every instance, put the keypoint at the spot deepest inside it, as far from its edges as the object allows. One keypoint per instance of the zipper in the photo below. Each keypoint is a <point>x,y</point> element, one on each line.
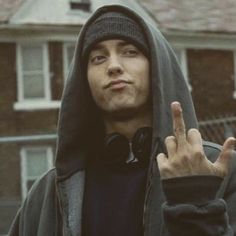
<point>149,183</point>
<point>60,208</point>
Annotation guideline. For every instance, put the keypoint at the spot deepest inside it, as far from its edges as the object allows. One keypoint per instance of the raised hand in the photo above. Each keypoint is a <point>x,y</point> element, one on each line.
<point>185,152</point>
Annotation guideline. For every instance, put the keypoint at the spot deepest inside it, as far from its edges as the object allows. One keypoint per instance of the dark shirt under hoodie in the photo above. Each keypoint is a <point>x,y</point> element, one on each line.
<point>114,200</point>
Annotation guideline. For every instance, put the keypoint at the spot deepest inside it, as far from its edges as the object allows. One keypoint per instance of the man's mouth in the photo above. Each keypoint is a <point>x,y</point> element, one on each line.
<point>117,84</point>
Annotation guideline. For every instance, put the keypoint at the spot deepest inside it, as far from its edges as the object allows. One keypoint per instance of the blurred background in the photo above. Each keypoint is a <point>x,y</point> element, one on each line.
<point>37,39</point>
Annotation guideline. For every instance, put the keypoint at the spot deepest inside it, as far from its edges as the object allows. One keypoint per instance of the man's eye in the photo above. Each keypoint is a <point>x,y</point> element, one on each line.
<point>131,52</point>
<point>98,59</point>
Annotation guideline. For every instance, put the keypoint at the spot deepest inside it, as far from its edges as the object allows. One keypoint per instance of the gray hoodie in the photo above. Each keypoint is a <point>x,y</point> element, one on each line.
<point>197,205</point>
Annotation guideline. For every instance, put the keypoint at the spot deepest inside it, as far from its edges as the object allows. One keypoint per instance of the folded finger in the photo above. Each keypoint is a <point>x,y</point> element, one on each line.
<point>162,160</point>
<point>171,146</point>
<point>194,137</point>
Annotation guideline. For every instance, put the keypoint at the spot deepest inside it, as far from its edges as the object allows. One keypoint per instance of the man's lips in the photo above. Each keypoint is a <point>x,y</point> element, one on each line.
<point>116,84</point>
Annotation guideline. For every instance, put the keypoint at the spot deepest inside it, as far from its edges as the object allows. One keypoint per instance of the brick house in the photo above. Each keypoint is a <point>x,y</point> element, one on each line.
<point>203,34</point>
<point>36,47</point>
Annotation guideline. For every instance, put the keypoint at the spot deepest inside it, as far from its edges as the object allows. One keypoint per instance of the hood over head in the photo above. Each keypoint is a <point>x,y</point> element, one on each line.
<point>80,127</point>
<point>114,25</point>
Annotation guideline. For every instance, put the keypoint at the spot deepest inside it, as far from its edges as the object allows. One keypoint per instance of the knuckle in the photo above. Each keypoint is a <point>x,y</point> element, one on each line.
<point>184,155</point>
<point>183,160</point>
<point>161,159</point>
<point>221,171</point>
<point>176,164</point>
<point>198,152</point>
<point>227,153</point>
<point>167,171</point>
<point>180,130</point>
<point>164,168</point>
<point>169,139</point>
<point>193,131</point>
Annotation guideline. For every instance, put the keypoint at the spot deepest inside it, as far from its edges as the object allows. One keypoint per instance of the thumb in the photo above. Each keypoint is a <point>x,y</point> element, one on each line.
<point>223,161</point>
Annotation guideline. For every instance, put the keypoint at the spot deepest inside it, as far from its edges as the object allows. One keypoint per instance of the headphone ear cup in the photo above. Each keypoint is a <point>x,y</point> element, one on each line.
<point>142,143</point>
<point>116,149</point>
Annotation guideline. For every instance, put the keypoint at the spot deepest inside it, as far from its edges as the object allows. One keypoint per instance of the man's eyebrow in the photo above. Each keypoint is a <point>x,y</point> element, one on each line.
<point>100,46</point>
<point>97,47</point>
<point>124,43</point>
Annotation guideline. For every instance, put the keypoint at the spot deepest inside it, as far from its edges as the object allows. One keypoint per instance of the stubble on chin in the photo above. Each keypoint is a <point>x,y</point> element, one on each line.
<point>123,108</point>
<point>127,113</point>
<point>120,114</point>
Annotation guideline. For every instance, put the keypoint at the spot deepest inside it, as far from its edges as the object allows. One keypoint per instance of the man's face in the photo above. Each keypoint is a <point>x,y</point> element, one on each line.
<point>118,76</point>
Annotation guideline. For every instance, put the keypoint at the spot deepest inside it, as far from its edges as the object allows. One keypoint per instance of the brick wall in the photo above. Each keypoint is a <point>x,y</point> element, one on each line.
<point>7,88</point>
<point>14,123</point>
<point>211,75</point>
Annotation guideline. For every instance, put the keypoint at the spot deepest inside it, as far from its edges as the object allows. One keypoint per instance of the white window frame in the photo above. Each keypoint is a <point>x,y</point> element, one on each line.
<point>37,103</point>
<point>184,65</point>
<point>46,76</point>
<point>66,68</point>
<point>24,175</point>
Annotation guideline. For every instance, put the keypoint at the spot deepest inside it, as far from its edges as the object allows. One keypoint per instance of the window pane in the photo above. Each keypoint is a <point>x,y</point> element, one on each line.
<point>37,162</point>
<point>70,54</point>
<point>34,86</point>
<point>32,57</point>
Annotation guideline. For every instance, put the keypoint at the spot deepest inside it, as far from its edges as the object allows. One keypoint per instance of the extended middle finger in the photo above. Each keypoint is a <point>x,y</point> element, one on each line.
<point>178,123</point>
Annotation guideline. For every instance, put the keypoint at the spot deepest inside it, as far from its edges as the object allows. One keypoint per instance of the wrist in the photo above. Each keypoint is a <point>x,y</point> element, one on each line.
<point>197,189</point>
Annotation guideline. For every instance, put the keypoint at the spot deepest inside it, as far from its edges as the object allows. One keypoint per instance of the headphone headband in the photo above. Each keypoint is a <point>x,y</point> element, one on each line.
<point>117,147</point>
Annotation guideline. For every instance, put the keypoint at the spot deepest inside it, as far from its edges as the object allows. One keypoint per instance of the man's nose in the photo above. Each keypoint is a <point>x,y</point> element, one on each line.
<point>114,68</point>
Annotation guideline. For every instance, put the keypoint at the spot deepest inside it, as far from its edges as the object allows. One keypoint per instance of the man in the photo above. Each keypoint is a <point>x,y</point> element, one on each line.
<point>130,160</point>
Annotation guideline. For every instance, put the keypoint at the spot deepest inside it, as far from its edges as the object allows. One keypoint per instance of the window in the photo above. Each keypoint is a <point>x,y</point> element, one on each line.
<point>182,58</point>
<point>83,5</point>
<point>33,80</point>
<point>68,53</point>
<point>34,162</point>
<point>33,72</point>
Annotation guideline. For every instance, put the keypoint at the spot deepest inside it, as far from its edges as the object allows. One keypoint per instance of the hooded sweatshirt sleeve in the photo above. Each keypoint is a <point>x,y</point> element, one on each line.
<point>193,206</point>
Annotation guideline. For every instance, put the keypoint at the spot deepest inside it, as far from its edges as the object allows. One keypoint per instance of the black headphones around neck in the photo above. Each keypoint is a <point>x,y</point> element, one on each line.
<point>117,147</point>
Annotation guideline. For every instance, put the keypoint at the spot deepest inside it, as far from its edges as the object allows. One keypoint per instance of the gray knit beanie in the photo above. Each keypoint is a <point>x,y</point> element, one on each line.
<point>115,25</point>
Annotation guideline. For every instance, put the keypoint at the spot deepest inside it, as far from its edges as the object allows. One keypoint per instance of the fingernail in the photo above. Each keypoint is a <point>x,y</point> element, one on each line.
<point>176,103</point>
